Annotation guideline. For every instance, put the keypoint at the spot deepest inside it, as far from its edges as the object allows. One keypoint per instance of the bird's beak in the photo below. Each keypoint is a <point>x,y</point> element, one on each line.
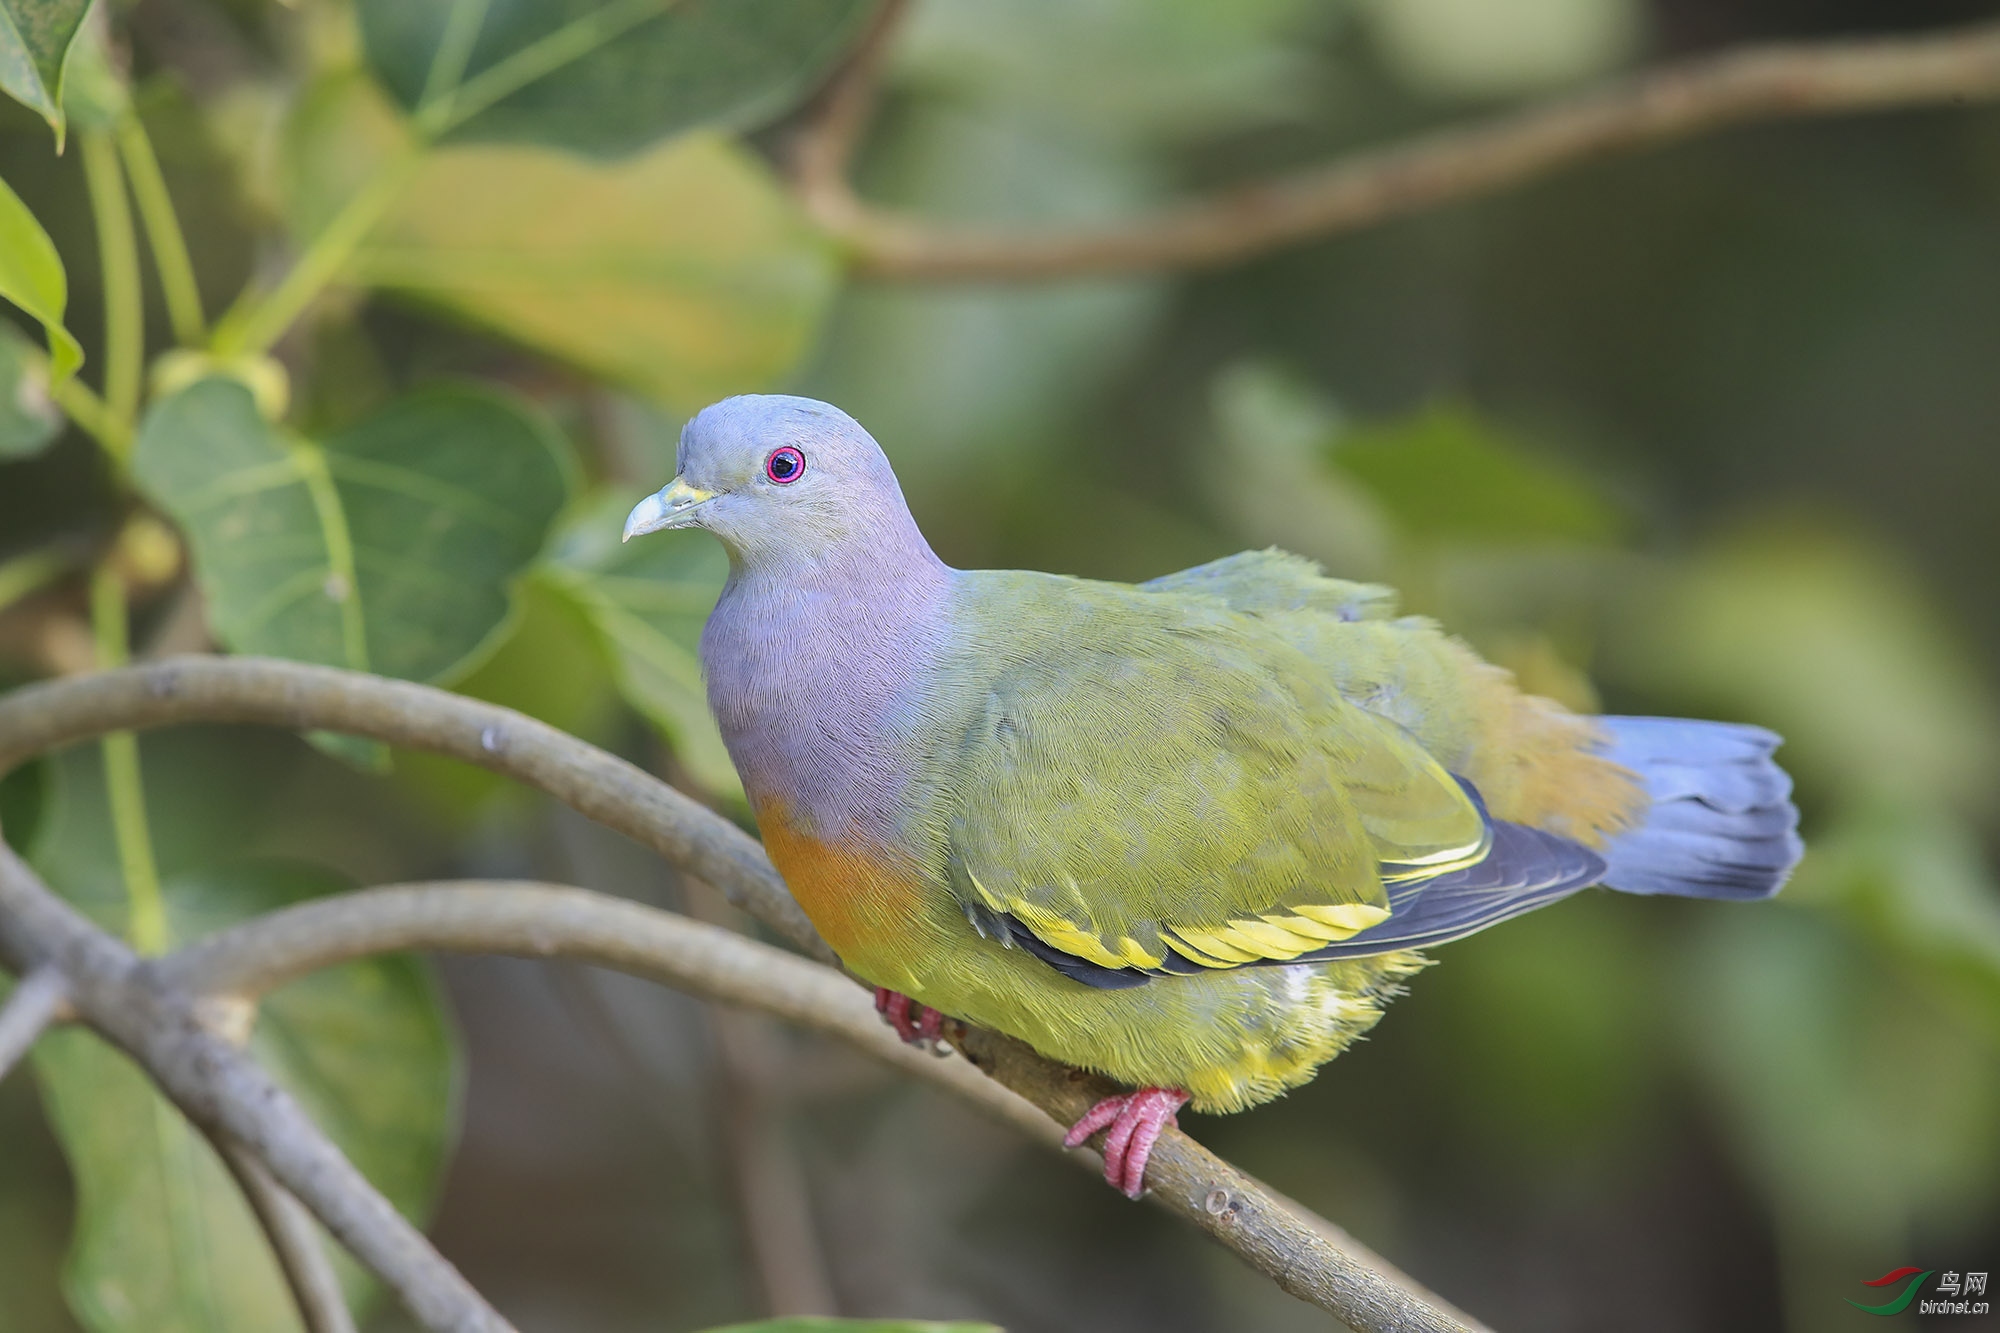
<point>672,506</point>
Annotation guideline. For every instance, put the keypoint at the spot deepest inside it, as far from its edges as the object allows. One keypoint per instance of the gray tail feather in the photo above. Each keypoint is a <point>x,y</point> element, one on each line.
<point>1722,824</point>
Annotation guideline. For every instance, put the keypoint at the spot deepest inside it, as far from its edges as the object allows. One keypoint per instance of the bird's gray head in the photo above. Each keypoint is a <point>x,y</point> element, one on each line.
<point>777,477</point>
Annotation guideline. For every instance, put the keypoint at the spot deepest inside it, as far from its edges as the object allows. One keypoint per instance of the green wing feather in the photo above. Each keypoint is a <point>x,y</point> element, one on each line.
<point>1151,771</point>
<point>1274,582</point>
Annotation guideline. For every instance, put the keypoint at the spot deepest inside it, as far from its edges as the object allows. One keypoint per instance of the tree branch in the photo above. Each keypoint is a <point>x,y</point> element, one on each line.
<point>1374,185</point>
<point>223,1091</point>
<point>529,920</point>
<point>295,1243</point>
<point>293,695</point>
<point>1306,1256</point>
<point>36,1004</point>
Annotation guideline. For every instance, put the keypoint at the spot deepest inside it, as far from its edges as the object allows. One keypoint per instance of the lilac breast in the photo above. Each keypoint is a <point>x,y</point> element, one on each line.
<point>823,680</point>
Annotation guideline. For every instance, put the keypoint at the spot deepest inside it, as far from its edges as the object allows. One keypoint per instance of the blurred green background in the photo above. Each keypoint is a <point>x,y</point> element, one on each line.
<point>1709,429</point>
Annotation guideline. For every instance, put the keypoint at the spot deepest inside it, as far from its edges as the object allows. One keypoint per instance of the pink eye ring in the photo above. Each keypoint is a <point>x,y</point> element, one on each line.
<point>785,465</point>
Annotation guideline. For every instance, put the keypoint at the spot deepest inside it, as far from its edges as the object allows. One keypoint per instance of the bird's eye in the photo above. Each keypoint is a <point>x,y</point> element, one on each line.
<point>785,465</point>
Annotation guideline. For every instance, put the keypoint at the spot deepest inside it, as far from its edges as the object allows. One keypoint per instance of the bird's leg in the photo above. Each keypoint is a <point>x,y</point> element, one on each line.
<point>1136,1119</point>
<point>916,1024</point>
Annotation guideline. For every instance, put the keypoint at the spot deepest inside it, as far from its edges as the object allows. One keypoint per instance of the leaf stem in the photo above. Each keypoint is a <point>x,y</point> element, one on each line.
<point>124,786</point>
<point>163,230</point>
<point>257,322</point>
<point>118,261</point>
<point>501,80</point>
<point>30,572</point>
<point>461,32</point>
<point>343,578</point>
<point>92,416</point>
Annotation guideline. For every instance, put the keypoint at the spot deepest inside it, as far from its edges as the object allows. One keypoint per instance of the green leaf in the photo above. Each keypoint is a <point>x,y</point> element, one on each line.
<point>686,273</point>
<point>147,1186</point>
<point>1863,1104</point>
<point>163,1242</point>
<point>367,1048</point>
<point>1446,474</point>
<point>1471,50</point>
<point>820,1324</point>
<point>648,601</point>
<point>1268,473</point>
<point>35,39</point>
<point>29,420</point>
<point>31,276</point>
<point>1138,71</point>
<point>549,666</point>
<point>24,804</point>
<point>339,133</point>
<point>388,547</point>
<point>1808,628</point>
<point>642,71</point>
<point>208,793</point>
<point>94,92</point>
<point>1913,880</point>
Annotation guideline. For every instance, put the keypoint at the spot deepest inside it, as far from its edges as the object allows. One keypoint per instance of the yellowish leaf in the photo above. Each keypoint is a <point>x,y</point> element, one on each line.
<point>685,273</point>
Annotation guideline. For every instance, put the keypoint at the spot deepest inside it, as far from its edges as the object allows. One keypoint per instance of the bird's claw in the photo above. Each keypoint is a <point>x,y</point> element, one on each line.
<point>1136,1120</point>
<point>917,1024</point>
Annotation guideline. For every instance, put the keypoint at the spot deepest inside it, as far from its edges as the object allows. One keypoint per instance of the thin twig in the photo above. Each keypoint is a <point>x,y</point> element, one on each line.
<point>223,1091</point>
<point>294,1241</point>
<point>1374,185</point>
<point>599,786</point>
<point>36,1005</point>
<point>825,144</point>
<point>1306,1256</point>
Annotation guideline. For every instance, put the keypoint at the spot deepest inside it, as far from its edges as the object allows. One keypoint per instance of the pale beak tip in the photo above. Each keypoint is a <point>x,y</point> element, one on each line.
<point>646,516</point>
<point>667,508</point>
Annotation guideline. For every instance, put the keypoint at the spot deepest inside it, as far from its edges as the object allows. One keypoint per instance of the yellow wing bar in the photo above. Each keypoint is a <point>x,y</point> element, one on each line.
<point>1272,936</point>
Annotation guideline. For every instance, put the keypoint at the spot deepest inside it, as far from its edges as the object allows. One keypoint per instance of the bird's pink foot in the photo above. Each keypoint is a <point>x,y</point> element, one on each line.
<point>913,1022</point>
<point>1136,1119</point>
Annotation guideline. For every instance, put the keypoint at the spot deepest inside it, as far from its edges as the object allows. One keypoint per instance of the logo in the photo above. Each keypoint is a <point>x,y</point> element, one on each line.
<point>1955,1293</point>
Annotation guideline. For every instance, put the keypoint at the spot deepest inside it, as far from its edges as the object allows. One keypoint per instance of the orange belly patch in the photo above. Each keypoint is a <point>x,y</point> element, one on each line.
<point>860,898</point>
